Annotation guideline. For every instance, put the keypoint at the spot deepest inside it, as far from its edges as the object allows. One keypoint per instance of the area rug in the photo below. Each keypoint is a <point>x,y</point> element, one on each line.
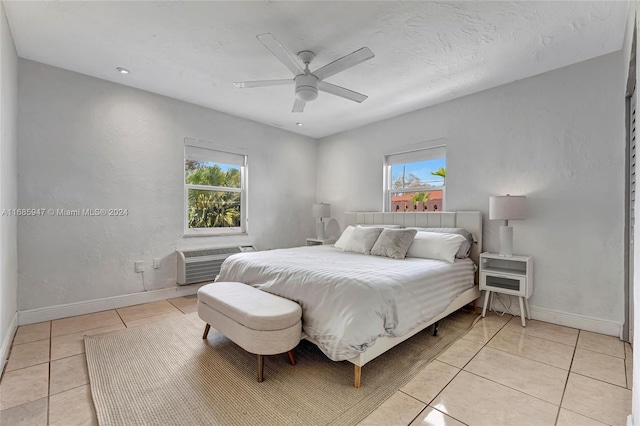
<point>166,374</point>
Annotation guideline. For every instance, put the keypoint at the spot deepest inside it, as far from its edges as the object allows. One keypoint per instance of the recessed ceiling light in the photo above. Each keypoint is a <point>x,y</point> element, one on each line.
<point>299,124</point>
<point>122,70</point>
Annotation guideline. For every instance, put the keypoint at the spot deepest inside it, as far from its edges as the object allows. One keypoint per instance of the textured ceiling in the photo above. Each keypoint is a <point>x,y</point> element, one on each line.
<point>426,52</point>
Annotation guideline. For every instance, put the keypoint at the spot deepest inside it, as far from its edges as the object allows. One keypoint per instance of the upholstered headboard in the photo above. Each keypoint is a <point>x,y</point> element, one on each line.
<point>471,221</point>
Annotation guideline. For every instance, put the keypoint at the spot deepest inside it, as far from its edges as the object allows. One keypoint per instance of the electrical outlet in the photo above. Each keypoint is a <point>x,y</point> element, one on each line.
<point>157,262</point>
<point>139,265</point>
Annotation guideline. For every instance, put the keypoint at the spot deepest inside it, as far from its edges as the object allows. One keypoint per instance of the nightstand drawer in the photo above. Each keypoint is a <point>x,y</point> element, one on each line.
<point>503,283</point>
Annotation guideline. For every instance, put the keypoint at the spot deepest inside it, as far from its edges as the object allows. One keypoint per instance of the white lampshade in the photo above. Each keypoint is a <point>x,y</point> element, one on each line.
<point>322,210</point>
<point>508,207</point>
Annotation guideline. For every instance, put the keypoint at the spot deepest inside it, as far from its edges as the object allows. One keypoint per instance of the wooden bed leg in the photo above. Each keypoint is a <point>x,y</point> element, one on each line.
<point>292,360</point>
<point>357,372</point>
<point>435,328</point>
<point>260,367</point>
<point>206,331</point>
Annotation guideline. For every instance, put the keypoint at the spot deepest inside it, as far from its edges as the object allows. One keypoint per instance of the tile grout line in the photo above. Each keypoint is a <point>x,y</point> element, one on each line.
<point>600,353</point>
<point>413,397</point>
<point>49,378</point>
<point>583,415</point>
<point>600,380</point>
<point>542,338</point>
<point>70,389</point>
<point>121,320</point>
<point>514,389</point>
<point>626,373</point>
<point>564,391</point>
<point>528,359</point>
<point>626,370</point>
<point>13,345</point>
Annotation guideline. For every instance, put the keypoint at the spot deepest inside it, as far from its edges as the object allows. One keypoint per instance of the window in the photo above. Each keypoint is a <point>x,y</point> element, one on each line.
<point>215,191</point>
<point>415,180</point>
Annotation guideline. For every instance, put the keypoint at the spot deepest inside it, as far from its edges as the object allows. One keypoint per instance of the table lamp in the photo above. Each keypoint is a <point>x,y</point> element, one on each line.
<point>320,211</point>
<point>507,207</point>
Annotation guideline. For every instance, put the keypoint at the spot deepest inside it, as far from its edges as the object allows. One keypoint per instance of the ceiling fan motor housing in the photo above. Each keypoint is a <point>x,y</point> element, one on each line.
<point>306,87</point>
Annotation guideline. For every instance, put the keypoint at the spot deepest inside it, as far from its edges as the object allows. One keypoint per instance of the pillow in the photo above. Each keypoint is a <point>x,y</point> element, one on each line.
<point>362,239</point>
<point>393,243</point>
<point>465,248</point>
<point>431,245</point>
<point>346,234</point>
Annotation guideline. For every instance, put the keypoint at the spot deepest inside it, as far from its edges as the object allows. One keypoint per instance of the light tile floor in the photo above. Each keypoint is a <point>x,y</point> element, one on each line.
<point>503,374</point>
<point>498,374</point>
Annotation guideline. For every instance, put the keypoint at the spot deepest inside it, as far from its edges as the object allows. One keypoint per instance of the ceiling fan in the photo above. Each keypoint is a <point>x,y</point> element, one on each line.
<point>308,83</point>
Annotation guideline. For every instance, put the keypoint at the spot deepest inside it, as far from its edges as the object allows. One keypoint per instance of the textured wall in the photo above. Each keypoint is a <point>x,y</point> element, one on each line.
<point>89,143</point>
<point>557,138</point>
<point>8,175</point>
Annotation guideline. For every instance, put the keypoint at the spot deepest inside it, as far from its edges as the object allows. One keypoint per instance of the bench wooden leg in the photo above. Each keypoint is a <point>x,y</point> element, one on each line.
<point>357,372</point>
<point>206,331</point>
<point>292,360</point>
<point>260,367</point>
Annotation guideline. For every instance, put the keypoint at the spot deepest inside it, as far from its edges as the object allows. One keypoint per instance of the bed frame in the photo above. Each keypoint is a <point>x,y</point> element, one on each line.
<point>471,221</point>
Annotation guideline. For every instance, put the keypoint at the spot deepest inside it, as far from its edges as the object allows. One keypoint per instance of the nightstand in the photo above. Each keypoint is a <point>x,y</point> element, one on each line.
<point>508,275</point>
<point>317,242</point>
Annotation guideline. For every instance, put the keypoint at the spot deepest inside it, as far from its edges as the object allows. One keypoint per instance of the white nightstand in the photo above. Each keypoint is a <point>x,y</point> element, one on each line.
<point>317,242</point>
<point>508,275</point>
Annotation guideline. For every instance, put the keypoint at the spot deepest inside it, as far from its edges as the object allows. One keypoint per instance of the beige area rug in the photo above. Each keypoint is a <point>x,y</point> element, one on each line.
<point>165,374</point>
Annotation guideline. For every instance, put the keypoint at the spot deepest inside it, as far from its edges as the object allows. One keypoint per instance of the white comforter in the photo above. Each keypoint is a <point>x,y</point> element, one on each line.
<point>348,300</point>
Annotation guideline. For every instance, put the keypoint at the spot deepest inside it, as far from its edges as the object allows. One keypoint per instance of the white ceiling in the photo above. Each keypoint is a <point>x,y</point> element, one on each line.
<point>426,52</point>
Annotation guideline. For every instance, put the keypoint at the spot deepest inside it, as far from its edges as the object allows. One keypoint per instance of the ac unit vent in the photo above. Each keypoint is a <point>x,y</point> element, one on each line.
<point>212,252</point>
<point>201,265</point>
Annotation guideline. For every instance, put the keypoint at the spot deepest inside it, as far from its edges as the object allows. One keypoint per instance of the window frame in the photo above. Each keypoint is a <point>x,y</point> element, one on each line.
<point>242,190</point>
<point>422,155</point>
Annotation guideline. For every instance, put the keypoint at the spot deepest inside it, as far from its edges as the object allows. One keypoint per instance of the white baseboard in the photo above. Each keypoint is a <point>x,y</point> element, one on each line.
<point>582,322</point>
<point>567,319</point>
<point>6,342</point>
<point>31,316</point>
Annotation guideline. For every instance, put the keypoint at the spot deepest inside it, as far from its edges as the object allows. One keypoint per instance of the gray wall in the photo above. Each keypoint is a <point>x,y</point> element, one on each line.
<point>89,143</point>
<point>8,182</point>
<point>557,138</point>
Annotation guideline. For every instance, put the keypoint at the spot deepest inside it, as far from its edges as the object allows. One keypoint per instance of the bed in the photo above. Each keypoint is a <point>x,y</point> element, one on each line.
<point>355,306</point>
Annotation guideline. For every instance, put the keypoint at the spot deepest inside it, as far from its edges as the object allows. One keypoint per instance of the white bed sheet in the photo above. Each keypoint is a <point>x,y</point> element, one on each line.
<point>348,299</point>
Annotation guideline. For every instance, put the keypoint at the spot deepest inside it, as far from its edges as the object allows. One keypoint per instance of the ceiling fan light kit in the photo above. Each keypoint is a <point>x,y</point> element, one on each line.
<point>306,87</point>
<point>307,83</point>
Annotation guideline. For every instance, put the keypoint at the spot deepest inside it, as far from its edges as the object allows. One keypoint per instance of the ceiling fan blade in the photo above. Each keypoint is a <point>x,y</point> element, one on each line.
<point>280,52</point>
<point>341,91</point>
<point>298,105</point>
<point>262,83</point>
<point>339,65</point>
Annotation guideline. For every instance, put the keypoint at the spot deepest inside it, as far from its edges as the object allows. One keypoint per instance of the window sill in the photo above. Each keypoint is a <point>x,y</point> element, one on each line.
<point>224,234</point>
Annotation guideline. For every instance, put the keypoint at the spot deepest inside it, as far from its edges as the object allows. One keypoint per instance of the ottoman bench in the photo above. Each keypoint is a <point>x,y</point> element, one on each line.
<point>259,322</point>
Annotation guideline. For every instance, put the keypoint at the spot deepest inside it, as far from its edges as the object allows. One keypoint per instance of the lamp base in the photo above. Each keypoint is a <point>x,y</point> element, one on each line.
<point>320,230</point>
<point>506,241</point>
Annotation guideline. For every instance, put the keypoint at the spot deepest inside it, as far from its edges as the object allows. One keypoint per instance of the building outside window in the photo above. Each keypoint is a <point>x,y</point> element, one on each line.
<point>215,191</point>
<point>415,180</point>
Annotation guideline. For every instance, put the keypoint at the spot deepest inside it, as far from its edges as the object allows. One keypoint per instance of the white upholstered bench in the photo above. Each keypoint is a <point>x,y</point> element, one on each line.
<point>259,322</point>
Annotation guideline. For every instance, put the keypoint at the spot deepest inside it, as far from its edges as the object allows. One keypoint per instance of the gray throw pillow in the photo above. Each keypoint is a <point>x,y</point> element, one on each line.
<point>393,243</point>
<point>362,239</point>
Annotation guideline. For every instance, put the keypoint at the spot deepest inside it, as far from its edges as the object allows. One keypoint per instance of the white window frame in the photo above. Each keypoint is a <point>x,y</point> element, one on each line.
<point>217,151</point>
<point>413,155</point>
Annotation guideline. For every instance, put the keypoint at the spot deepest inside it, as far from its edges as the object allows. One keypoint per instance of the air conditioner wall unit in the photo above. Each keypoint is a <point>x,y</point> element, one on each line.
<point>201,265</point>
